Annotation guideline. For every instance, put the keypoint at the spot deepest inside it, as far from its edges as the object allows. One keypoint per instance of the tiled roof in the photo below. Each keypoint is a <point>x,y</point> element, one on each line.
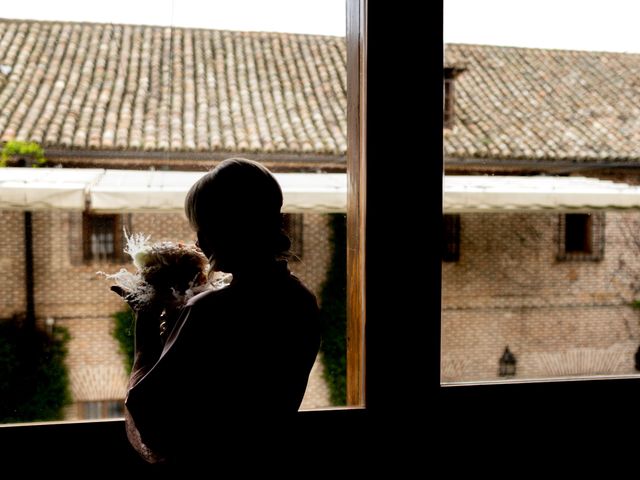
<point>534,104</point>
<point>156,89</point>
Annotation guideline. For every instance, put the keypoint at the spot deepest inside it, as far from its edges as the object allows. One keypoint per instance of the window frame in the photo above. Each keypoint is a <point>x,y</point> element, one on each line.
<point>120,221</point>
<point>89,223</point>
<point>568,413</point>
<point>407,407</point>
<point>97,440</point>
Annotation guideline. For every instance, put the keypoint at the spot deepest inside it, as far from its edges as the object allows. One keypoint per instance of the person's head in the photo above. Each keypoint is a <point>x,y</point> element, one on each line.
<point>235,210</point>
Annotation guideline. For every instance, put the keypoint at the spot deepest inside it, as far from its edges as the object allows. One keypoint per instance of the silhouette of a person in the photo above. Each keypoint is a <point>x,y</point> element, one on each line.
<point>233,368</point>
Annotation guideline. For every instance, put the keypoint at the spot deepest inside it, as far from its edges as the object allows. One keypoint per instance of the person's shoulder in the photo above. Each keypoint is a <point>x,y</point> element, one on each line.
<point>207,297</point>
<point>302,291</point>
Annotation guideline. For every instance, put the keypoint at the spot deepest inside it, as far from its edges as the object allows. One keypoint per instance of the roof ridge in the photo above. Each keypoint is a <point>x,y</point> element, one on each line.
<point>543,49</point>
<point>118,24</point>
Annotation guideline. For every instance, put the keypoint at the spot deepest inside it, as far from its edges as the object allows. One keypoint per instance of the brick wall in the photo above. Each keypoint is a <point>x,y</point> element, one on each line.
<point>96,368</point>
<point>63,290</point>
<point>508,288</point>
<point>311,268</point>
<point>161,227</point>
<point>557,317</point>
<point>79,299</point>
<point>12,280</point>
<point>312,265</point>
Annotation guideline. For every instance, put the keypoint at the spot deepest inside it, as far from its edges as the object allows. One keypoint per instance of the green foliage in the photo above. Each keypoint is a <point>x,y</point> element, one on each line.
<point>19,149</point>
<point>333,313</point>
<point>34,382</point>
<point>123,333</point>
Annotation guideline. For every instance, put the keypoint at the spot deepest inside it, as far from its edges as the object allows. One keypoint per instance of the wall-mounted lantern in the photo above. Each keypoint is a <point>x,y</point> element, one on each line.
<point>49,324</point>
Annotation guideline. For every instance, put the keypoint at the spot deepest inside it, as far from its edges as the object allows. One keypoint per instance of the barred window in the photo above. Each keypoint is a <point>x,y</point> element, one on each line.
<point>581,236</point>
<point>102,238</point>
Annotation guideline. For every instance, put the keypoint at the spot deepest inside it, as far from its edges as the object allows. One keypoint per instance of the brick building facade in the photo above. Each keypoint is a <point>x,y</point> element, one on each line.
<point>69,291</point>
<point>556,287</point>
<point>144,97</point>
<point>558,316</point>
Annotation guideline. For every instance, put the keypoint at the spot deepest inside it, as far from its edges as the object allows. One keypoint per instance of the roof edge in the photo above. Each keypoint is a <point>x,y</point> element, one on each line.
<point>564,165</point>
<point>546,49</point>
<point>55,153</point>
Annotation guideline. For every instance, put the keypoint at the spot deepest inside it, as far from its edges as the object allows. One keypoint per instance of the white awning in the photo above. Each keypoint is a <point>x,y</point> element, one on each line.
<point>141,190</point>
<point>510,193</point>
<point>103,190</point>
<point>45,188</point>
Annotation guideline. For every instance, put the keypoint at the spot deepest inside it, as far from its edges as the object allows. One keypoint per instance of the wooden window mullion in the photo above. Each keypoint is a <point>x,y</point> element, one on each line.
<point>356,37</point>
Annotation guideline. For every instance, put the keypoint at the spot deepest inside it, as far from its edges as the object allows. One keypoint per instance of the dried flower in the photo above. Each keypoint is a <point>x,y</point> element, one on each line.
<point>166,272</point>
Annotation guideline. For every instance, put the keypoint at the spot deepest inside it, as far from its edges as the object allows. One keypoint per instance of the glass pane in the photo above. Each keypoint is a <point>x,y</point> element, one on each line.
<point>102,229</point>
<point>135,95</point>
<point>91,410</point>
<point>541,174</point>
<point>114,409</point>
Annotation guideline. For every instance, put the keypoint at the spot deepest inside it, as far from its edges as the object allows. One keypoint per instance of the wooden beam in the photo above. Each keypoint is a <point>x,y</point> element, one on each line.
<point>356,198</point>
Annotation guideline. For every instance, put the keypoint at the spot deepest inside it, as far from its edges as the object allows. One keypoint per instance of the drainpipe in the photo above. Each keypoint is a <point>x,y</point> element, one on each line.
<point>30,320</point>
<point>28,265</point>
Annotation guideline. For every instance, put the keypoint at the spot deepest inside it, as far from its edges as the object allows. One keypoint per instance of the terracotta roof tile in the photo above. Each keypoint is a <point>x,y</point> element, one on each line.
<point>535,104</point>
<point>128,87</point>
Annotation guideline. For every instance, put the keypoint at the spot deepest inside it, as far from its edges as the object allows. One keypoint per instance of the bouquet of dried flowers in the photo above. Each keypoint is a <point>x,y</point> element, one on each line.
<point>167,273</point>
